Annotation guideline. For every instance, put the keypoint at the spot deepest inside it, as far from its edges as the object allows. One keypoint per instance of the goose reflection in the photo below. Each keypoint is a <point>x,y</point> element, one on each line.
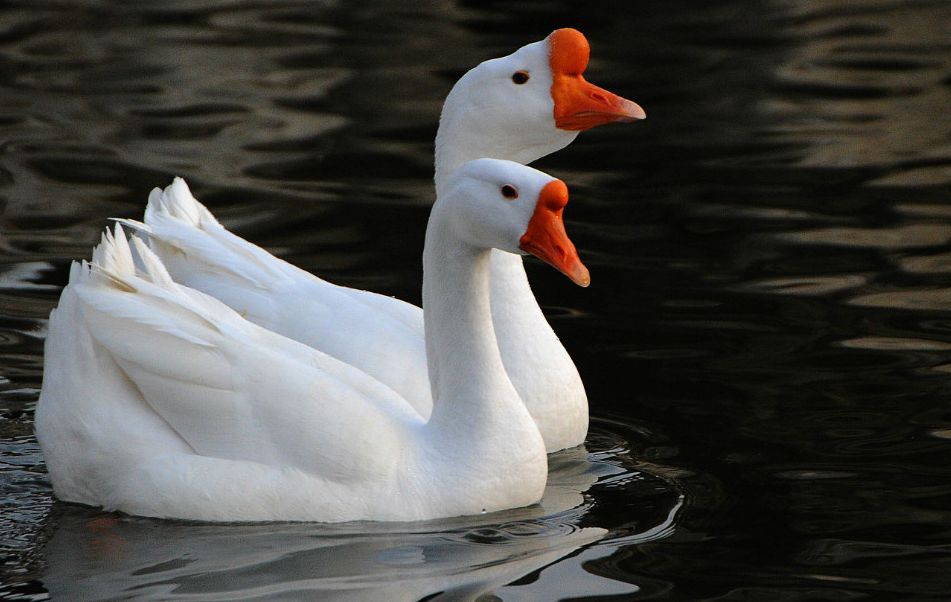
<point>103,558</point>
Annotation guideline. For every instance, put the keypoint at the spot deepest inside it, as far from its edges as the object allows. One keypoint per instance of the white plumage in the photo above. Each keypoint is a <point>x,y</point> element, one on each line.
<point>487,114</point>
<point>160,400</point>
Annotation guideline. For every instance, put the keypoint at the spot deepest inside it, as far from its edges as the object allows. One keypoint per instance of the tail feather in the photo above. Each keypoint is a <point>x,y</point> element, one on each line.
<point>190,241</point>
<point>152,268</point>
<point>123,261</point>
<point>118,266</point>
<point>113,254</point>
<point>177,201</point>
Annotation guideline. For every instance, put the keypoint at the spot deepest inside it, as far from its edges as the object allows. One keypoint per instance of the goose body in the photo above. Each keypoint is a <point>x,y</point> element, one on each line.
<point>160,400</point>
<point>519,107</point>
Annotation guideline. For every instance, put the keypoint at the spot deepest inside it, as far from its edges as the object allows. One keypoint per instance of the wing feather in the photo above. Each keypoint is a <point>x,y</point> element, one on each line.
<point>380,335</point>
<point>233,390</point>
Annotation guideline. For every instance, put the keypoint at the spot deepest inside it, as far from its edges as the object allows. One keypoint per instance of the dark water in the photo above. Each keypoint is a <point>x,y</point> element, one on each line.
<point>766,342</point>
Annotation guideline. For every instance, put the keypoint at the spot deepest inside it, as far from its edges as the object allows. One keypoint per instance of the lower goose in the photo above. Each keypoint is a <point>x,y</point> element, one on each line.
<point>159,400</point>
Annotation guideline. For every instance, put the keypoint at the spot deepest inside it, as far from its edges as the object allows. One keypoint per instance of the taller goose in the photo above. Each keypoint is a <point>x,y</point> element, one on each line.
<point>519,107</point>
<point>160,400</point>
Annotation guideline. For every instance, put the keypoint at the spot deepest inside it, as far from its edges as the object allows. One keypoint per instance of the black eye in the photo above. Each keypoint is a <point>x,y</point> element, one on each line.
<point>509,192</point>
<point>520,77</point>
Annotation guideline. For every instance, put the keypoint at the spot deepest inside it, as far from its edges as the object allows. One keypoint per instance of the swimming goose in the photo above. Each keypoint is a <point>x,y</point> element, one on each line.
<point>160,400</point>
<point>519,107</point>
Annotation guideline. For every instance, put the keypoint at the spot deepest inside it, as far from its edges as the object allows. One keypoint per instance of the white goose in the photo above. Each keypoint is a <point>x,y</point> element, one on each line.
<point>160,400</point>
<point>520,107</point>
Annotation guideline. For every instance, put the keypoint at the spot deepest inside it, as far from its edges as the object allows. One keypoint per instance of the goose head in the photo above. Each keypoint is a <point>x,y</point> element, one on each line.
<point>504,205</point>
<point>526,105</point>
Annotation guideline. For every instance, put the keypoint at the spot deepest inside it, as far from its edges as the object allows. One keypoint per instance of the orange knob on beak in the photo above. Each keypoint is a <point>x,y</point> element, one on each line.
<point>546,238</point>
<point>580,105</point>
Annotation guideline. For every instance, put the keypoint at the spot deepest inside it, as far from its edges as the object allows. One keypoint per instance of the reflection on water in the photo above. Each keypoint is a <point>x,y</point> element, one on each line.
<point>94,556</point>
<point>867,86</point>
<point>770,254</point>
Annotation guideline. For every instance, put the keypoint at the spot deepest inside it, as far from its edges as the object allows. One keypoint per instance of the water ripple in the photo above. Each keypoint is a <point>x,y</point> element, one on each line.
<point>98,556</point>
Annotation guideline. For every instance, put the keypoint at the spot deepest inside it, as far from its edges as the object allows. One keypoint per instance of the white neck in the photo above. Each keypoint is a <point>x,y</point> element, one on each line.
<point>458,142</point>
<point>465,135</point>
<point>470,387</point>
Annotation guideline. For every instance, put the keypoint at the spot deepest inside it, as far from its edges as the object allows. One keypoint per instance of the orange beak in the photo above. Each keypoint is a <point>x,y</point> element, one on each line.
<point>546,238</point>
<point>580,105</point>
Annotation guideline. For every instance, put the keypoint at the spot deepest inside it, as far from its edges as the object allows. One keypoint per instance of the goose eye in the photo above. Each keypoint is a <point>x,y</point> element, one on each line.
<point>520,77</point>
<point>509,192</point>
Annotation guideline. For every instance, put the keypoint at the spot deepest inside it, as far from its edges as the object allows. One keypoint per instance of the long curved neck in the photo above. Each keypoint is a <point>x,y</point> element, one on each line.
<point>456,139</point>
<point>463,136</point>
<point>459,141</point>
<point>469,384</point>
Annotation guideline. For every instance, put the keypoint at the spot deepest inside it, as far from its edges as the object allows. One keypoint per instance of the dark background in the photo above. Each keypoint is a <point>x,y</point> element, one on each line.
<point>769,322</point>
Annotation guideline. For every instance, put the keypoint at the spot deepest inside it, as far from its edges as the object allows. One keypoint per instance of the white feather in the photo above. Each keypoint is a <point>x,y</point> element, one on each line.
<point>485,115</point>
<point>161,400</point>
